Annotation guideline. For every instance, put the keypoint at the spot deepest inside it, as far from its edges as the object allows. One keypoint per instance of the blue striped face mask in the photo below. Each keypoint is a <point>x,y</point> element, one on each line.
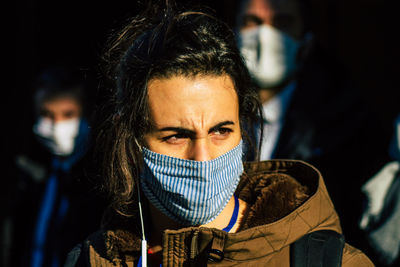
<point>191,192</point>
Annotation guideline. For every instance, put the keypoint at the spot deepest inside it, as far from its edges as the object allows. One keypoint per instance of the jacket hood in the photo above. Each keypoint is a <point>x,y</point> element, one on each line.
<point>286,200</point>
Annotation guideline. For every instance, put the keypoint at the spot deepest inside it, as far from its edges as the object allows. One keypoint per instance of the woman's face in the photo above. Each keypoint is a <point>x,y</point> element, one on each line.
<point>195,118</point>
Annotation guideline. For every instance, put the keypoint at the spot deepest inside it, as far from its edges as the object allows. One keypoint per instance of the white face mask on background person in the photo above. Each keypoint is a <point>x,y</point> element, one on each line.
<point>270,54</point>
<point>58,137</point>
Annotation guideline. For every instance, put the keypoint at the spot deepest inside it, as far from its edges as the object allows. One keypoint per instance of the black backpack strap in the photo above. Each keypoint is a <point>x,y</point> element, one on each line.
<point>322,248</point>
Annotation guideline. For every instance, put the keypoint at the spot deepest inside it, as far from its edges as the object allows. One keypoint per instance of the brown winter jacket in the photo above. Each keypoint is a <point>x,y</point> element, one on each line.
<point>287,199</point>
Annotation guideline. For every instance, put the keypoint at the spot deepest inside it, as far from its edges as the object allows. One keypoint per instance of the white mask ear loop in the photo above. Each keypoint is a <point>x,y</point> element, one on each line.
<point>144,242</point>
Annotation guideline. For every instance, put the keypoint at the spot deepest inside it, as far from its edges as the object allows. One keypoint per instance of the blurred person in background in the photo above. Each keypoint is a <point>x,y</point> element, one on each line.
<point>312,111</point>
<point>51,204</point>
<point>380,219</point>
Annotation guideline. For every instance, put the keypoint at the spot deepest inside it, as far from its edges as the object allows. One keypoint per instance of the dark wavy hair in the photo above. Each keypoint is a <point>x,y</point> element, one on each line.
<point>161,42</point>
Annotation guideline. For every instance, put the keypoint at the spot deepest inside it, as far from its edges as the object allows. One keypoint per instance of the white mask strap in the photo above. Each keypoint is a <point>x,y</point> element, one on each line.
<point>144,242</point>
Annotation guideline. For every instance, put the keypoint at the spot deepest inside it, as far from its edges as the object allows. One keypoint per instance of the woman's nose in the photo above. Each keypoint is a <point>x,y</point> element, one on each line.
<point>200,150</point>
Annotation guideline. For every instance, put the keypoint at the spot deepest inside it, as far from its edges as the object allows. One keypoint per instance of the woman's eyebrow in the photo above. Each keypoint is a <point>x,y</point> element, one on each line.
<point>221,124</point>
<point>189,131</point>
<point>177,129</point>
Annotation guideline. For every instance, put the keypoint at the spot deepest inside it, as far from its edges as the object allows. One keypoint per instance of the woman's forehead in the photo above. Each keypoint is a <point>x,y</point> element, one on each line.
<point>199,100</point>
<point>204,87</point>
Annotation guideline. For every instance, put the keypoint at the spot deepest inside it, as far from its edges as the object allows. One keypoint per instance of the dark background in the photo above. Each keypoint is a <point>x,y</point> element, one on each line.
<point>359,34</point>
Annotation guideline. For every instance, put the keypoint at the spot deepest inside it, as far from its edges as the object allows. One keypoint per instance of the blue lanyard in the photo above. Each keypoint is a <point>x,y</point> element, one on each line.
<point>234,216</point>
<point>226,229</point>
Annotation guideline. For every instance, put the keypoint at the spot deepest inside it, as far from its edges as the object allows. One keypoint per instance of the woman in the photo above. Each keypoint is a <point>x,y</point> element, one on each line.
<point>173,148</point>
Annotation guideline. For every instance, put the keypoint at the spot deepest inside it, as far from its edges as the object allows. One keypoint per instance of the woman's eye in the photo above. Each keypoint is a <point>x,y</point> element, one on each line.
<point>175,139</point>
<point>222,132</point>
